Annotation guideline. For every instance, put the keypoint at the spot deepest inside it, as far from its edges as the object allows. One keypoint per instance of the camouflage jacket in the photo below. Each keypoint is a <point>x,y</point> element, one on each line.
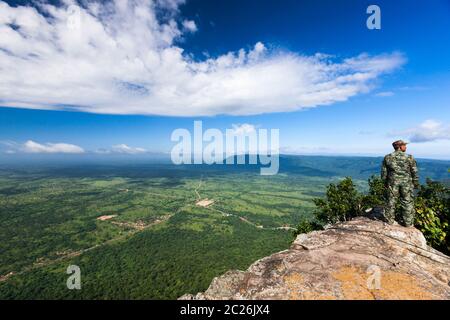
<point>399,167</point>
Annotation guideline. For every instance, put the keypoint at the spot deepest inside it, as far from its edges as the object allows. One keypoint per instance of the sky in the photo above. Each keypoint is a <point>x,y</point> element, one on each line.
<point>120,76</point>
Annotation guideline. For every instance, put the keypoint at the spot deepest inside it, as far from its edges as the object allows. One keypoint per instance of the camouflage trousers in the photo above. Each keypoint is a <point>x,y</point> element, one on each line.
<point>403,193</point>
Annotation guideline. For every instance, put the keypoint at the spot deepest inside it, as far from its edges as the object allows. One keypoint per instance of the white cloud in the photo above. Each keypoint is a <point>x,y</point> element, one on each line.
<point>413,88</point>
<point>243,129</point>
<point>299,150</point>
<point>429,130</point>
<point>190,25</point>
<point>123,148</point>
<point>385,94</point>
<point>119,57</point>
<point>34,147</point>
<point>102,151</point>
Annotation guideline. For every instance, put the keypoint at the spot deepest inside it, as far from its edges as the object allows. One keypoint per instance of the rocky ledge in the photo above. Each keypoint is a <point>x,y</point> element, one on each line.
<point>358,259</point>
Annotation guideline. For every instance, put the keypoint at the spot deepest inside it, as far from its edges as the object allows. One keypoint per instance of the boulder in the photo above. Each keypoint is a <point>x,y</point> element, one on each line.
<point>358,259</point>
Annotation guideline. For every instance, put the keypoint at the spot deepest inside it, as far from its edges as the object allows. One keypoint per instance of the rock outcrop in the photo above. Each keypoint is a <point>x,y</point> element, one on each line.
<point>359,259</point>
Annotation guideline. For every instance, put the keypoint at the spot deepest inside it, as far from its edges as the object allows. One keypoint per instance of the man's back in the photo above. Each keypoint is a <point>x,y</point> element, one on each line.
<point>399,166</point>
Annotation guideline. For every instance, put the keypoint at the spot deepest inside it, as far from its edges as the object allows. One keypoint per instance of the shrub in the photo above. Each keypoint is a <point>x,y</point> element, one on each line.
<point>376,195</point>
<point>343,202</point>
<point>306,226</point>
<point>433,214</point>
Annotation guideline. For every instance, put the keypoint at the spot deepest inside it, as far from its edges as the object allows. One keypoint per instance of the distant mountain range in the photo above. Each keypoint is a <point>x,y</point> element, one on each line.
<point>320,166</point>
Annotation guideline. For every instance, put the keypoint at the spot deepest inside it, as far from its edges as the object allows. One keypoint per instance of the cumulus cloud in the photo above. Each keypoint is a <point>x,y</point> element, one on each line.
<point>124,57</point>
<point>123,148</point>
<point>33,147</point>
<point>30,146</point>
<point>429,130</point>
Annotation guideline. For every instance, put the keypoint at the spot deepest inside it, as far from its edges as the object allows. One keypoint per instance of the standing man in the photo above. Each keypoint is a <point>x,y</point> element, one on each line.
<point>399,174</point>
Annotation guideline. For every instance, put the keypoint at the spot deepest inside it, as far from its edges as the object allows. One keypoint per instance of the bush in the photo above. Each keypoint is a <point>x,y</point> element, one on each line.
<point>343,202</point>
<point>433,214</point>
<point>306,226</point>
<point>376,194</point>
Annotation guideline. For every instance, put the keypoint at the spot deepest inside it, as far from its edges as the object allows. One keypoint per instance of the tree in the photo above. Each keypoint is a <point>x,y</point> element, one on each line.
<point>342,203</point>
<point>376,195</point>
<point>306,226</point>
<point>433,214</point>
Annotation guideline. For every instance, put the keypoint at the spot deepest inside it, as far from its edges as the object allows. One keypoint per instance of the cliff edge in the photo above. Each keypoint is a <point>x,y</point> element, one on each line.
<point>358,259</point>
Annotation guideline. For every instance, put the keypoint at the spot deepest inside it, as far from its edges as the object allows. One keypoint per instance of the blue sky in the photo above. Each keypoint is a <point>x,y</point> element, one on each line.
<point>121,100</point>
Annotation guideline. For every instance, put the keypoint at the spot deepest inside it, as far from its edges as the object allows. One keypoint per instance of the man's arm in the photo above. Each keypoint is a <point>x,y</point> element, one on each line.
<point>414,172</point>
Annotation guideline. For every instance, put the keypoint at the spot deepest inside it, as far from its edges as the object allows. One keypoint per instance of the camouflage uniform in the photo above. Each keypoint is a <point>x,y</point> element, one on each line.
<point>400,175</point>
